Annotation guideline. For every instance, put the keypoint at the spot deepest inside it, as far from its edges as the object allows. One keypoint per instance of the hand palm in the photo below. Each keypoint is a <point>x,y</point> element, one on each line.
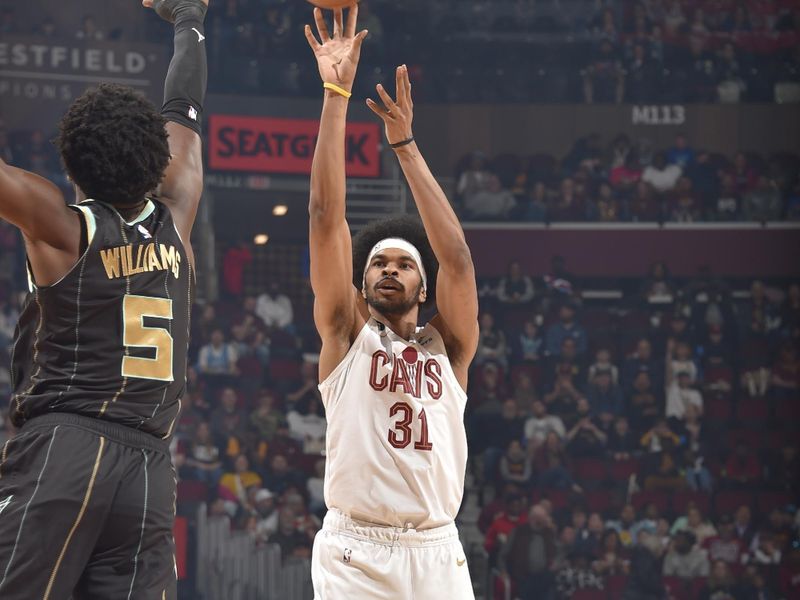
<point>336,61</point>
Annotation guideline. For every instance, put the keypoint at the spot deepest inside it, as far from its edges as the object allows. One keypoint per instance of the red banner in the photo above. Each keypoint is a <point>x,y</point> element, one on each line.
<point>267,145</point>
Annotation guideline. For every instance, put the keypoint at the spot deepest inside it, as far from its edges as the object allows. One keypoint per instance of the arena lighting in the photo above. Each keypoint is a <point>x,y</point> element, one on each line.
<point>280,210</point>
<point>261,239</point>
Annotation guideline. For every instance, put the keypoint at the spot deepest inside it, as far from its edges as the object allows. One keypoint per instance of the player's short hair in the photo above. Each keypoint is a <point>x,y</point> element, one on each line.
<point>404,227</point>
<point>113,143</point>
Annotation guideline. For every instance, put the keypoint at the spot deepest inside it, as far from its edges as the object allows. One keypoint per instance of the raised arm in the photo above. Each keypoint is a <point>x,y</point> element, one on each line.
<point>335,297</point>
<point>184,92</point>
<point>457,293</point>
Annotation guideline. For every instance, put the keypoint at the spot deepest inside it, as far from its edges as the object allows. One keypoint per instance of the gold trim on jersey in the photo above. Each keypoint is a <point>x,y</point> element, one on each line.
<point>77,522</point>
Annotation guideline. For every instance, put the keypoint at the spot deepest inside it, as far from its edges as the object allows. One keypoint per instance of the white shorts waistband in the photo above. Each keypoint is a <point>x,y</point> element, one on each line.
<point>339,522</point>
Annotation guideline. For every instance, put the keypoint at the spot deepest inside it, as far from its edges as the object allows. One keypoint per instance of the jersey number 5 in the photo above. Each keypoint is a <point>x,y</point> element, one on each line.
<point>400,435</point>
<point>136,335</point>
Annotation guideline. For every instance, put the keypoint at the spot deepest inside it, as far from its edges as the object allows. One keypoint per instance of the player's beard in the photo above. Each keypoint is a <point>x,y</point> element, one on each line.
<point>392,307</point>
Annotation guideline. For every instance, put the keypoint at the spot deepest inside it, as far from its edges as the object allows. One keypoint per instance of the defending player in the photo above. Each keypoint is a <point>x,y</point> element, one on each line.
<point>393,392</point>
<point>87,489</point>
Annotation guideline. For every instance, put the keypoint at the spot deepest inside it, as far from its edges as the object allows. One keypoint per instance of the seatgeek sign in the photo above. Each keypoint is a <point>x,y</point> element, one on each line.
<point>277,145</point>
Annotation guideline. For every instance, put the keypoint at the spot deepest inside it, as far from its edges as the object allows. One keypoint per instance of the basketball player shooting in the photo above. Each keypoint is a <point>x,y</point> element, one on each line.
<point>394,393</point>
<point>87,488</point>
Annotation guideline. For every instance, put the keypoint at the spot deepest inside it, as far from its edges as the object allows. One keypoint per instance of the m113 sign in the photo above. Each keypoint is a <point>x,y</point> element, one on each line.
<point>271,145</point>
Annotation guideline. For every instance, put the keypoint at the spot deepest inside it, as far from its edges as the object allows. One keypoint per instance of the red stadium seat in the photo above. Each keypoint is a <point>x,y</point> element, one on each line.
<point>599,501</point>
<point>718,409</point>
<point>589,470</point>
<point>677,588</point>
<point>660,499</point>
<point>750,412</point>
<point>282,369</point>
<point>192,491</point>
<point>621,470</point>
<point>788,411</point>
<point>766,501</point>
<point>750,437</point>
<point>729,501</point>
<point>696,587</point>
<point>789,581</point>
<point>615,585</point>
<point>680,500</point>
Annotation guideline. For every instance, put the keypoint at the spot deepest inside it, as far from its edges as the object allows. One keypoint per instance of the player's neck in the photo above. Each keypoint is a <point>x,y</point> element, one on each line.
<point>404,326</point>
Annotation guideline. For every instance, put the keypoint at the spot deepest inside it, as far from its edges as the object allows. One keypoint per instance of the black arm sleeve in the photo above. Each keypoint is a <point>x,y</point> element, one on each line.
<point>185,86</point>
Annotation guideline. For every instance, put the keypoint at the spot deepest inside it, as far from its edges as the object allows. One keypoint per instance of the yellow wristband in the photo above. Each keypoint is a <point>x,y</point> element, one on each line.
<point>337,89</point>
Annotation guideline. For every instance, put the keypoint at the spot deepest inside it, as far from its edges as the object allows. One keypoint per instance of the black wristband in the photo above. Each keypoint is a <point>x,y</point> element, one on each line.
<point>401,144</point>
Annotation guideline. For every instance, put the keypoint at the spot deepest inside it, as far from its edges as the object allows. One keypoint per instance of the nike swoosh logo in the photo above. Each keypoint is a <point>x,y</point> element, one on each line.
<point>200,36</point>
<point>461,562</point>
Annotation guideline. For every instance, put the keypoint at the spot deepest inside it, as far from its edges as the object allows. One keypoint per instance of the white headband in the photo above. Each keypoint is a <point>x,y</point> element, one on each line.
<point>397,244</point>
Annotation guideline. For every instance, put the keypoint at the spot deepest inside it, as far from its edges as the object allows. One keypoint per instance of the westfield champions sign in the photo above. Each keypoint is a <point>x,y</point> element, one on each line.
<point>273,145</point>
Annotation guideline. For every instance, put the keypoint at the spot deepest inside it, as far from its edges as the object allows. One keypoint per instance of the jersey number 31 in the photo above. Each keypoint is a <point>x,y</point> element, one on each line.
<point>400,435</point>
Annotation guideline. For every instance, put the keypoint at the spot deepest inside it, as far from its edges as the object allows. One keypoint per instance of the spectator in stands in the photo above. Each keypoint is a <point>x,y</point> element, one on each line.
<point>604,395</point>
<point>515,288</point>
<point>621,440</point>
<point>720,584</point>
<point>524,393</point>
<point>279,477</point>
<point>658,287</point>
<point>515,465</point>
<point>204,456</point>
<point>266,418</point>
<point>190,417</point>
<point>603,77</point>
<point>684,206</point>
<point>537,204</point>
<point>585,437</point>
<point>487,396</point>
<point>763,202</point>
<point>744,176</point>
<point>266,514</point>
<point>559,283</point>
<point>681,153</point>
<point>240,480</point>
<point>514,514</point>
<point>307,425</point>
<point>661,465</point>
<point>567,204</point>
<point>685,559</point>
<point>89,31</point>
<point>643,206</point>
<point>495,432</point>
<point>766,551</point>
<point>602,362</point>
<point>641,76</point>
<point>566,327</point>
<point>491,343</point>
<point>640,361</point>
<point>550,463</point>
<point>227,419</point>
<point>784,469</point>
<point>540,424</point>
<point>529,345</point>
<point>217,361</point>
<point>725,546</point>
<point>627,176</point>
<point>681,373</point>
<point>624,525</point>
<point>292,542</point>
<point>785,379</point>
<point>275,308</point>
<point>481,192</point>
<point>305,389</point>
<point>644,406</point>
<point>577,574</point>
<point>694,523</point>
<point>529,554</point>
<point>606,207</point>
<point>742,469</point>
<point>564,396</point>
<point>663,176</point>
<point>612,557</point>
<point>790,314</point>
<point>743,526</point>
<point>236,259</point>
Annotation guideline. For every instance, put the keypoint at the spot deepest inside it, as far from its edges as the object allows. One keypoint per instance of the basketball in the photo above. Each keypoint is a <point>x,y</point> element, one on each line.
<point>331,4</point>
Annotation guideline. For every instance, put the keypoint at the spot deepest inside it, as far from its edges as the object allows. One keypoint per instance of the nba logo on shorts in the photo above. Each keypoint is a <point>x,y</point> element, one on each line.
<point>346,555</point>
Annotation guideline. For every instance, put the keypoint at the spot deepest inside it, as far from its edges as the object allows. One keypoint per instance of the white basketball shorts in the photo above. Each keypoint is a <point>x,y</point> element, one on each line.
<point>354,560</point>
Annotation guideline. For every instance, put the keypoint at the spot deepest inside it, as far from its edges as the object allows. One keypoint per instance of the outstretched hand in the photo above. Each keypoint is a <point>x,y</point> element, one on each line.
<point>337,56</point>
<point>397,115</point>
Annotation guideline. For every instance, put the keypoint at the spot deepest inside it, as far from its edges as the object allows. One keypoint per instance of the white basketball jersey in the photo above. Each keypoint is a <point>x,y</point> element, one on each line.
<point>396,444</point>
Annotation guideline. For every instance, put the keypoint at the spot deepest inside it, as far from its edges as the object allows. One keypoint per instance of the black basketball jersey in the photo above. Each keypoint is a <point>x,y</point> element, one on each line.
<point>109,340</point>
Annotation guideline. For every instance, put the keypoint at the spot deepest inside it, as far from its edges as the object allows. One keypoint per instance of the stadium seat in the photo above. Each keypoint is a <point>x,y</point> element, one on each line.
<point>750,437</point>
<point>282,369</point>
<point>192,491</point>
<point>680,500</point>
<point>788,412</point>
<point>718,408</point>
<point>729,501</point>
<point>589,595</point>
<point>660,499</point>
<point>621,470</point>
<point>599,501</point>
<point>590,471</point>
<point>696,587</point>
<point>615,585</point>
<point>752,412</point>
<point>766,501</point>
<point>677,588</point>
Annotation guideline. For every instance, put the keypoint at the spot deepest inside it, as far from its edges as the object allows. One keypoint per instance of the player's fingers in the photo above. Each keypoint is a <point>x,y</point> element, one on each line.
<point>338,20</point>
<point>387,99</point>
<point>312,41</point>
<point>381,112</point>
<point>399,84</point>
<point>357,41</point>
<point>322,26</point>
<point>147,3</point>
<point>352,19</point>
<point>407,85</point>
